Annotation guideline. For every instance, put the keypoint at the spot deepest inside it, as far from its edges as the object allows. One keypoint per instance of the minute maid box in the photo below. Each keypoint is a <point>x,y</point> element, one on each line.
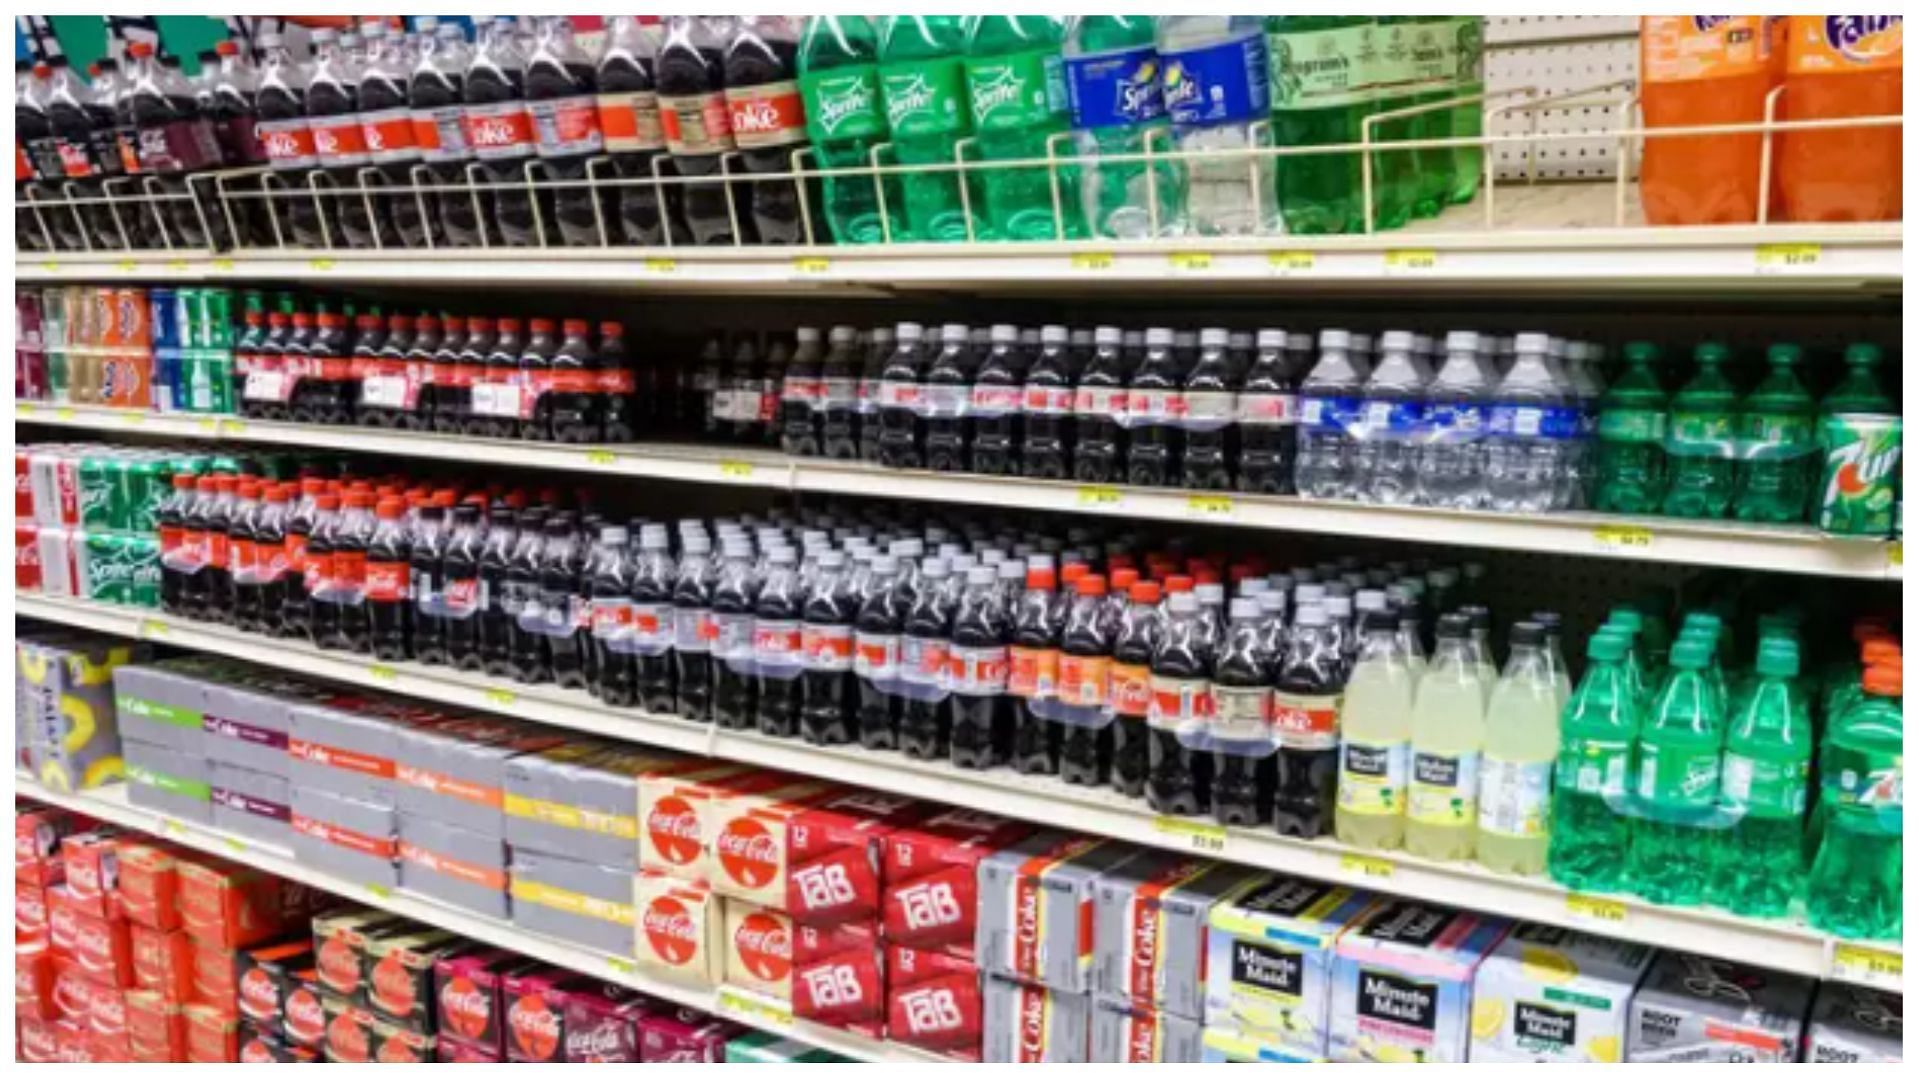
<point>65,720</point>
<point>1553,995</point>
<point>1403,981</point>
<point>1269,955</point>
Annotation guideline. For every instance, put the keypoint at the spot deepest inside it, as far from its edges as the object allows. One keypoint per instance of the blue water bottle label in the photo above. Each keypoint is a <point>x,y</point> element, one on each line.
<point>1331,415</point>
<point>1393,420</point>
<point>1115,89</point>
<point>1225,83</point>
<point>1455,422</point>
<point>1533,422</point>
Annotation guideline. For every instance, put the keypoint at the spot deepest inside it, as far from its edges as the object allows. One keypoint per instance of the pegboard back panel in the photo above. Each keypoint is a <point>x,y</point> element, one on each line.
<point>1556,55</point>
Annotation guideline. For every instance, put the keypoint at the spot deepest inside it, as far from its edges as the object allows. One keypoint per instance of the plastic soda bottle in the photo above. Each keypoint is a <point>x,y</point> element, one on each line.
<point>1630,466</point>
<point>1763,779</point>
<point>1115,105</point>
<point>1860,430</point>
<point>1018,92</point>
<point>1375,729</point>
<point>923,82</point>
<point>1840,66</point>
<point>1597,733</point>
<point>1330,409</point>
<point>1700,435</point>
<point>1468,42</point>
<point>1855,888</point>
<point>1776,442</point>
<point>1698,70</point>
<point>1448,731</point>
<point>1676,781</point>
<point>841,91</point>
<point>1214,80</point>
<point>1321,92</point>
<point>1516,772</point>
<point>1413,68</point>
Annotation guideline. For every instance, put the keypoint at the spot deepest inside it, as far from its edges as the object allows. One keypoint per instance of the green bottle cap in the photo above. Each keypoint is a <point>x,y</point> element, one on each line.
<point>1711,353</point>
<point>1628,617</point>
<point>1700,621</point>
<point>1778,657</point>
<point>1641,353</point>
<point>1607,645</point>
<point>1862,354</point>
<point>1691,653</point>
<point>1782,353</point>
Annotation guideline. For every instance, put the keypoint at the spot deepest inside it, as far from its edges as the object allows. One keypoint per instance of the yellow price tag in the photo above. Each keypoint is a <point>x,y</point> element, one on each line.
<point>1893,554</point>
<point>223,265</point>
<point>811,264</point>
<point>177,266</point>
<point>320,264</point>
<point>1602,909</point>
<point>1623,537</point>
<point>1780,258</point>
<point>500,696</point>
<point>127,266</point>
<point>1865,964</point>
<point>233,427</point>
<point>623,966</point>
<point>49,266</point>
<point>133,420</point>
<point>208,425</point>
<point>1198,836</point>
<point>1190,260</point>
<point>234,846</point>
<point>736,469</point>
<point>600,457</point>
<point>1412,260</point>
<point>767,1014</point>
<point>382,672</point>
<point>173,826</point>
<point>661,266</point>
<point>1099,495</point>
<point>153,628</point>
<point>64,414</point>
<point>26,409</point>
<point>1093,260</point>
<point>1290,262</point>
<point>1367,866</point>
<point>1210,506</point>
<point>379,891</point>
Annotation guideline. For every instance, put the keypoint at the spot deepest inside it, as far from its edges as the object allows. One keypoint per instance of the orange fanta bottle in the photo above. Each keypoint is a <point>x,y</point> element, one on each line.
<point>1697,70</point>
<point>1840,66</point>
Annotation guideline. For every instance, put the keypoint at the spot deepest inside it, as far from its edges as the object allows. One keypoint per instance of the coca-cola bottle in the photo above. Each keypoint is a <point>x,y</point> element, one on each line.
<point>323,606</point>
<point>271,567</point>
<point>777,657</point>
<point>768,121</point>
<point>459,588</point>
<point>993,406</point>
<point>1208,453</point>
<point>527,629</point>
<point>691,79</point>
<point>1241,730</point>
<point>1155,405</point>
<point>423,373</point>
<point>1084,686</point>
<point>609,574</point>
<point>218,572</point>
<point>387,590</point>
<point>1266,414</point>
<point>944,393</point>
<point>826,638</point>
<point>800,391</point>
<point>102,102</point>
<point>426,552</point>
<point>566,124</point>
<point>1033,669</point>
<point>302,518</point>
<point>500,132</point>
<point>982,717</point>
<point>630,124</point>
<point>838,402</point>
<point>243,558</point>
<point>329,385</point>
<point>563,607</point>
<point>453,401</point>
<point>574,408</point>
<point>1100,412</point>
<point>63,100</point>
<point>1306,712</point>
<point>436,90</point>
<point>694,629</point>
<point>176,560</point>
<point>347,577</point>
<point>876,658</point>
<point>333,107</point>
<point>435,412</point>
<point>653,627</point>
<point>386,126</point>
<point>175,142</point>
<point>735,592</point>
<point>925,721</point>
<point>536,382</point>
<point>1182,708</point>
<point>1046,409</point>
<point>287,137</point>
<point>617,383</point>
<point>497,600</point>
<point>494,399</point>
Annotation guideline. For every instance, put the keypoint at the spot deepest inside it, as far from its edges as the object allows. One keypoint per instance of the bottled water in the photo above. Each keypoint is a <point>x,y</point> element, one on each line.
<point>1394,422</point>
<point>1530,428</point>
<point>1113,97</point>
<point>1330,408</point>
<point>1214,80</point>
<point>1448,464</point>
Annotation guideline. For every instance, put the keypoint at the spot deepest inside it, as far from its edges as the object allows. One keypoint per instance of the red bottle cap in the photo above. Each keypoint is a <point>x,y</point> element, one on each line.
<point>1091,585</point>
<point>1144,593</point>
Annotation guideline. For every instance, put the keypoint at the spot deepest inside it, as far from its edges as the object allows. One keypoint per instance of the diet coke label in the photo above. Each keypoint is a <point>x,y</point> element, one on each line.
<point>767,115</point>
<point>499,131</point>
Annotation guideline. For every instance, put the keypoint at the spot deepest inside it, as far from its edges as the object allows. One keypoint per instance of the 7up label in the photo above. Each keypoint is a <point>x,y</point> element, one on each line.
<point>1857,480</point>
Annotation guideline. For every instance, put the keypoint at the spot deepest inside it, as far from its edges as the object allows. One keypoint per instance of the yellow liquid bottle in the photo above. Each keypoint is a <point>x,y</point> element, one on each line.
<point>1516,770</point>
<point>1375,723</point>
<point>1449,731</point>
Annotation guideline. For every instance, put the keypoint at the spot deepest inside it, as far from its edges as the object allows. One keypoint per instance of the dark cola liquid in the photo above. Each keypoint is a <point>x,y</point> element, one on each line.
<point>994,432</point>
<point>384,101</point>
<point>461,592</point>
<point>426,555</point>
<point>877,665</point>
<point>1208,449</point>
<point>526,642</point>
<point>777,639</point>
<point>1099,445</point>
<point>926,719</point>
<point>1130,678</point>
<point>388,570</point>
<point>1177,775</point>
<point>1046,430</point>
<point>826,642</point>
<point>693,635</point>
<point>946,390</point>
<point>1265,419</point>
<point>1086,750</point>
<point>566,120</point>
<point>767,120</point>
<point>733,681</point>
<point>562,602</point>
<point>1035,669</point>
<point>630,121</point>
<point>982,712</point>
<point>1307,699</point>
<point>692,81</point>
<point>434,93</point>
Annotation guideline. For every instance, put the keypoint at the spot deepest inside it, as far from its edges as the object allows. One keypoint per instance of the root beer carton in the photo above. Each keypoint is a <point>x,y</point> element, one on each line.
<point>1025,1022</point>
<point>1036,908</point>
<point>1854,1024</point>
<point>1270,959</point>
<point>1150,929</point>
<point>678,930</point>
<point>1403,981</point>
<point>1703,1009</point>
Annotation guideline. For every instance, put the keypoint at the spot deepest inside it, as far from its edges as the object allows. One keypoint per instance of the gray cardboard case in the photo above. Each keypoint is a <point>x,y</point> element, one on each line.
<point>1163,898</point>
<point>247,727</point>
<point>587,775</point>
<point>1125,1031</point>
<point>165,780</point>
<point>364,854</point>
<point>433,764</point>
<point>253,804</point>
<point>162,705</point>
<point>613,885</point>
<point>1065,890</point>
<point>1689,1005</point>
<point>356,737</point>
<point>451,864</point>
<point>1025,1022</point>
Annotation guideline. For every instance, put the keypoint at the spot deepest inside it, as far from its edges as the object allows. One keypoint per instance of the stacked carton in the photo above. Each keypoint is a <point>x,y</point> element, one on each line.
<point>65,733</point>
<point>1270,959</point>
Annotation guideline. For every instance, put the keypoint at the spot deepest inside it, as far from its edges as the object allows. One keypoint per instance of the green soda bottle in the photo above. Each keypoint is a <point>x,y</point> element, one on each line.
<point>1776,444</point>
<point>1763,779</point>
<point>1630,467</point>
<point>1019,95</point>
<point>924,85</point>
<point>840,88</point>
<point>1860,432</point>
<point>1700,434</point>
<point>1855,887</point>
<point>1677,782</point>
<point>1393,89</point>
<point>1321,92</point>
<point>1597,733</point>
<point>1467,119</point>
<point>1627,620</point>
<point>1430,45</point>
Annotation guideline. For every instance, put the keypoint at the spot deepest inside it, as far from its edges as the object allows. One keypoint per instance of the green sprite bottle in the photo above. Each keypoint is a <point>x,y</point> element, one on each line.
<point>840,88</point>
<point>1467,120</point>
<point>1630,467</point>
<point>1776,444</point>
<point>1763,780</point>
<point>1321,93</point>
<point>1700,435</point>
<point>1855,887</point>
<point>1860,432</point>
<point>1676,781</point>
<point>923,82</point>
<point>1019,96</point>
<point>1597,734</point>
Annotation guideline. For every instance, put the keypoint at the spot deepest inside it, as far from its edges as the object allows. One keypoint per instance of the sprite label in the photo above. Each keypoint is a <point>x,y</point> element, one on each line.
<point>1017,91</point>
<point>1857,479</point>
<point>925,97</point>
<point>843,103</point>
<point>1633,426</point>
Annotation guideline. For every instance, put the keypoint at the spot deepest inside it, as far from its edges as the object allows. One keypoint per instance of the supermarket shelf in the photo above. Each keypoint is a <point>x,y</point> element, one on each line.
<point>1792,549</point>
<point>109,804</point>
<point>1779,944</point>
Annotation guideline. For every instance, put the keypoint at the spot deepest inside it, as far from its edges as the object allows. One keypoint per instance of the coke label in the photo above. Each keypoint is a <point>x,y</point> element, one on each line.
<point>388,135</point>
<point>1084,681</point>
<point>1307,721</point>
<point>339,141</point>
<point>696,124</point>
<point>1032,673</point>
<point>777,643</point>
<point>876,656</point>
<point>499,131</point>
<point>923,661</point>
<point>1266,409</point>
<point>827,648</point>
<point>289,143</point>
<point>565,127</point>
<point>1180,703</point>
<point>651,628</point>
<point>1101,402</point>
<point>630,122</point>
<point>1049,401</point>
<point>766,115</point>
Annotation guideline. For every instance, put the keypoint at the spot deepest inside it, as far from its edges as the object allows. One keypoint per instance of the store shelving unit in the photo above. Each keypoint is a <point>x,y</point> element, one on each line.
<point>110,804</point>
<point>1780,944</point>
<point>1793,549</point>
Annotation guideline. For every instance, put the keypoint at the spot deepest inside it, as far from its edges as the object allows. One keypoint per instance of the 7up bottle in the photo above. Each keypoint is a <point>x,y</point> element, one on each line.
<point>841,91</point>
<point>1860,438</point>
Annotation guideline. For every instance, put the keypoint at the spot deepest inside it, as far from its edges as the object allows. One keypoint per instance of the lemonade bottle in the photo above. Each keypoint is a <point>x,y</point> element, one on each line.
<point>1697,70</point>
<point>1597,731</point>
<point>1523,737</point>
<point>1449,729</point>
<point>1375,724</point>
<point>1841,66</point>
<point>1763,779</point>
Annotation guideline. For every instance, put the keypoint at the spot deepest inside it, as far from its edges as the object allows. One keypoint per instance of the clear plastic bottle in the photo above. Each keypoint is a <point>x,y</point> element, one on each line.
<point>1448,734</point>
<point>1448,465</point>
<point>1214,81</point>
<point>1113,92</point>
<point>1529,428</point>
<point>1395,424</point>
<point>1330,408</point>
<point>1516,773</point>
<point>1376,721</point>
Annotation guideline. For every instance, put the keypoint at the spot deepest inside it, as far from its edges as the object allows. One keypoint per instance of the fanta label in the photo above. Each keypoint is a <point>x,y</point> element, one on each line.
<point>1678,48</point>
<point>1824,44</point>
